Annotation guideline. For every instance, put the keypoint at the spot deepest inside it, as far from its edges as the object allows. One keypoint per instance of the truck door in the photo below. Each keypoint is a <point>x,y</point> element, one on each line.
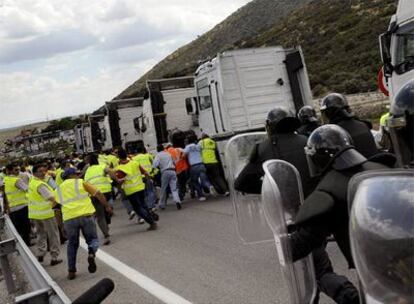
<point>207,116</point>
<point>217,106</point>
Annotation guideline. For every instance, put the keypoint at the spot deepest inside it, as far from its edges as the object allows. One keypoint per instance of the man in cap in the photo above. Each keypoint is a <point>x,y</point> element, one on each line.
<point>73,196</point>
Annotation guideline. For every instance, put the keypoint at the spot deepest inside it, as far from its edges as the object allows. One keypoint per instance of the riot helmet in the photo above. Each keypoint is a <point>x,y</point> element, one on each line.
<point>331,146</point>
<point>334,105</point>
<point>401,124</point>
<point>307,114</point>
<point>281,120</point>
<point>382,238</point>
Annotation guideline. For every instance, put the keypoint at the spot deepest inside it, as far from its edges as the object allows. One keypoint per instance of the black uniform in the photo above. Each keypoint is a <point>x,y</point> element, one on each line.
<point>323,213</point>
<point>288,147</point>
<point>360,133</point>
<point>307,128</point>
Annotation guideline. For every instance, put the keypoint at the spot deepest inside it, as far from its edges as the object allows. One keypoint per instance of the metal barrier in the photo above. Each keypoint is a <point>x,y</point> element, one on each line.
<point>43,288</point>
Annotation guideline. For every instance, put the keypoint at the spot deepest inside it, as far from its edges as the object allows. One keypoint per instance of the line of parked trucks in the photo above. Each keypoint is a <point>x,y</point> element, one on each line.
<point>231,94</point>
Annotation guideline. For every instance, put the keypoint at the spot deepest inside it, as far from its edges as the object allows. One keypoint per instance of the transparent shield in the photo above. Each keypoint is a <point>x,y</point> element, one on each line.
<point>281,197</point>
<point>250,219</point>
<point>382,234</point>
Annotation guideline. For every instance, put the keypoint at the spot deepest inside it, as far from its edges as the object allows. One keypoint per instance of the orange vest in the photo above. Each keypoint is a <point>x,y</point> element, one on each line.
<point>180,161</point>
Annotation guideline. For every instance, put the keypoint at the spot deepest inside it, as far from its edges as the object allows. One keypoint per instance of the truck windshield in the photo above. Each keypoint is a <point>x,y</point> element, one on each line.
<point>203,91</point>
<point>405,52</point>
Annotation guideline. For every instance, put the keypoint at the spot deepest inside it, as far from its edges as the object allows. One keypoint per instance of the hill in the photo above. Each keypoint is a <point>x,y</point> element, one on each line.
<point>248,21</point>
<point>339,39</point>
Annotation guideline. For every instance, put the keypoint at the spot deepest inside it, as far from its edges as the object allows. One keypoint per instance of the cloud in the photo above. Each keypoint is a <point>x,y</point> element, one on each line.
<point>18,24</point>
<point>48,45</point>
<point>138,32</point>
<point>118,11</point>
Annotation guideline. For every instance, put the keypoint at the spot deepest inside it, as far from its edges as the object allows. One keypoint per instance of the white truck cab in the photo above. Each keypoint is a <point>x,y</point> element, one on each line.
<point>397,47</point>
<point>237,89</point>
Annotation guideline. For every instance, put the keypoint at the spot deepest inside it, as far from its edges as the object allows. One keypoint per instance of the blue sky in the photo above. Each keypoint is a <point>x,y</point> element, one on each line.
<point>61,58</point>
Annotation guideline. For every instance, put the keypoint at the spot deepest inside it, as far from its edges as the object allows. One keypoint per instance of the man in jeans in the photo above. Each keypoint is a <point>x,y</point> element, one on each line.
<point>78,215</point>
<point>165,163</point>
<point>129,175</point>
<point>41,198</point>
<point>197,169</point>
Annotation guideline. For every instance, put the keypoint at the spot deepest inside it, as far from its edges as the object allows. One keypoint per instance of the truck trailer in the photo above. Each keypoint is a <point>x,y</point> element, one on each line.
<point>164,109</point>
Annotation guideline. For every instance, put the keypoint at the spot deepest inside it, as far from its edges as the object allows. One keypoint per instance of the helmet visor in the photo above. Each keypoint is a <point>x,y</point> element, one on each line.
<point>314,168</point>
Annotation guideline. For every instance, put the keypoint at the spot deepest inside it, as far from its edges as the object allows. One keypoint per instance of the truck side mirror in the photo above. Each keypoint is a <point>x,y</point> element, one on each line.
<point>136,124</point>
<point>385,48</point>
<point>143,125</point>
<point>189,106</point>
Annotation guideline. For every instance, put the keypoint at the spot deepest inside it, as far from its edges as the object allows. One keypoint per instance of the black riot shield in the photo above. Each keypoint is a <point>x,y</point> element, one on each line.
<point>250,219</point>
<point>281,198</point>
<point>382,234</point>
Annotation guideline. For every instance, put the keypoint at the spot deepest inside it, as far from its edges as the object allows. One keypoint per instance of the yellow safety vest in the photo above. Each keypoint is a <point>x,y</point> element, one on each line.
<point>133,180</point>
<point>15,196</point>
<point>208,152</point>
<point>103,159</point>
<point>113,160</point>
<point>145,161</point>
<point>74,199</point>
<point>96,176</point>
<point>39,208</point>
<point>58,178</point>
<point>383,119</point>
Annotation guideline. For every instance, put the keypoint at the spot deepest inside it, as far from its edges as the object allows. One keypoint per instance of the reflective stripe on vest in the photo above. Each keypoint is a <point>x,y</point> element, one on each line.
<point>39,208</point>
<point>208,152</point>
<point>74,199</point>
<point>15,196</point>
<point>103,160</point>
<point>133,181</point>
<point>96,176</point>
<point>59,178</point>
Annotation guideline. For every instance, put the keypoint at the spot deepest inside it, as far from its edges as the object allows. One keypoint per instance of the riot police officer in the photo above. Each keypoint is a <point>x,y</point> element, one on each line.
<point>401,125</point>
<point>309,120</point>
<point>335,110</point>
<point>331,154</point>
<point>282,143</point>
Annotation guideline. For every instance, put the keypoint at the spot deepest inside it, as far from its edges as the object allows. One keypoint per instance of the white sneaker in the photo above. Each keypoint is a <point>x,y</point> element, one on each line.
<point>140,221</point>
<point>227,193</point>
<point>202,198</point>
<point>132,215</point>
<point>213,191</point>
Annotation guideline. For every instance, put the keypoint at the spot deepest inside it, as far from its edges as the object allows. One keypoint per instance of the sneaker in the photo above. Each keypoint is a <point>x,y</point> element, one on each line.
<point>140,221</point>
<point>91,262</point>
<point>212,191</point>
<point>71,275</point>
<point>202,198</point>
<point>132,215</point>
<point>106,240</point>
<point>227,193</point>
<point>152,227</point>
<point>54,262</point>
<point>178,206</point>
<point>40,259</point>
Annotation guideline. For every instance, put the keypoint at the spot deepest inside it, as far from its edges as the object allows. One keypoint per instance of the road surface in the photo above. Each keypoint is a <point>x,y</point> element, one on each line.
<point>194,257</point>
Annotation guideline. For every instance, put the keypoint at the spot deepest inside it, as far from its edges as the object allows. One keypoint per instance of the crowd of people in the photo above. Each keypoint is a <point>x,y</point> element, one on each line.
<point>56,199</point>
<point>59,198</point>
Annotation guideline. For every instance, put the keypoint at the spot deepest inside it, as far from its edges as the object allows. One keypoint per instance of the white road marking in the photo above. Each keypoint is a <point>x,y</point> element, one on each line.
<point>160,292</point>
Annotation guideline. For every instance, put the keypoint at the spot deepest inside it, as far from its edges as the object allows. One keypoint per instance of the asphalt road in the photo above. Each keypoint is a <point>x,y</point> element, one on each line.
<point>196,254</point>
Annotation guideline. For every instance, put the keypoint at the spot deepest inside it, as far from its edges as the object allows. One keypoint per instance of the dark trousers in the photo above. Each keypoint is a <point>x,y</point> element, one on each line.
<point>137,201</point>
<point>216,178</point>
<point>335,286</point>
<point>182,179</point>
<point>20,220</point>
